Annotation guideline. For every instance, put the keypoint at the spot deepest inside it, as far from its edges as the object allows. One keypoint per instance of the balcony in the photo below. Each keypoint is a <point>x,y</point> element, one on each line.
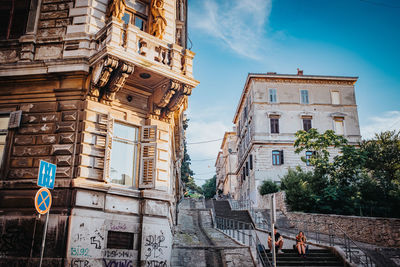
<point>128,43</point>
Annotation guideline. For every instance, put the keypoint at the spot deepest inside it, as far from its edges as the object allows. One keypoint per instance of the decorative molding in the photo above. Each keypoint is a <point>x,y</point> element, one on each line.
<point>173,87</point>
<point>159,22</point>
<point>116,8</point>
<point>100,76</point>
<point>304,80</point>
<point>116,82</point>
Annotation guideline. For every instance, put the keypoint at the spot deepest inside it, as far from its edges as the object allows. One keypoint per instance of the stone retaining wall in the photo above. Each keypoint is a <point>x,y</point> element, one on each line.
<point>372,230</point>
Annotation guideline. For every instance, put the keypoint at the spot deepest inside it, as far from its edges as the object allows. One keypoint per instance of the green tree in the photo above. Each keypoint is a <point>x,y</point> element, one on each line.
<point>268,187</point>
<point>318,143</point>
<point>210,187</point>
<point>299,195</point>
<point>383,163</point>
<point>186,172</point>
<point>360,180</point>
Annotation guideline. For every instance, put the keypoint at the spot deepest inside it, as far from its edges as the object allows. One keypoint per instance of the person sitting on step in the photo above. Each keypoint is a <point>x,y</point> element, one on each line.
<point>278,241</point>
<point>301,244</point>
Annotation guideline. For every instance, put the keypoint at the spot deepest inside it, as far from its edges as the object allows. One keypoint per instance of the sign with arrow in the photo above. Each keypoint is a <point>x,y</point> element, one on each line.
<point>47,174</point>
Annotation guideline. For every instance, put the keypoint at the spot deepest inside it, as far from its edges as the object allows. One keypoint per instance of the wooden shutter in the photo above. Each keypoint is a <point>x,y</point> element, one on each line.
<point>281,157</point>
<point>149,133</point>
<point>251,161</point>
<point>148,165</point>
<point>148,157</point>
<point>107,152</point>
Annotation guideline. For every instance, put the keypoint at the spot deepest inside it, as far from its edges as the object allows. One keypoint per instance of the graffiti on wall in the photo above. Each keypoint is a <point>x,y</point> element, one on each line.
<point>79,251</point>
<point>80,263</point>
<point>154,247</point>
<point>118,226</point>
<point>117,253</point>
<point>96,239</point>
<point>155,263</point>
<point>117,263</point>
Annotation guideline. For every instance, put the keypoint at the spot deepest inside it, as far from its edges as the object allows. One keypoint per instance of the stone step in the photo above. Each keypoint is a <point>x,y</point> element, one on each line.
<point>314,257</point>
<point>311,258</point>
<point>283,263</point>
<point>222,209</point>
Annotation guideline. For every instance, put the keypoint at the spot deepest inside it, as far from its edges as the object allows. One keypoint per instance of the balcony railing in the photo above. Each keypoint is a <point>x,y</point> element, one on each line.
<point>126,41</point>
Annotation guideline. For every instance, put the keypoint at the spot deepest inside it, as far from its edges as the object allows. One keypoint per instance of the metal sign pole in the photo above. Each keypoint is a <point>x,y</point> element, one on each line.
<point>44,238</point>
<point>272,230</point>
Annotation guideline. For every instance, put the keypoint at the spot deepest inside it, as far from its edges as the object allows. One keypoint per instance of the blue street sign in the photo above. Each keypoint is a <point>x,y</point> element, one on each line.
<point>47,174</point>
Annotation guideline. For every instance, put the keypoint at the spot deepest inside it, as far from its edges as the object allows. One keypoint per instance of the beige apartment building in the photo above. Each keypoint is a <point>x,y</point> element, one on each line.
<point>272,108</point>
<point>226,165</point>
<point>98,88</point>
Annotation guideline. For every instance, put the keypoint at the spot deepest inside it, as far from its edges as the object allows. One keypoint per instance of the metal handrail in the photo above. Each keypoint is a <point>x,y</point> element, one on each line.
<point>334,238</point>
<point>236,230</point>
<point>368,259</point>
<point>350,252</point>
<point>248,205</point>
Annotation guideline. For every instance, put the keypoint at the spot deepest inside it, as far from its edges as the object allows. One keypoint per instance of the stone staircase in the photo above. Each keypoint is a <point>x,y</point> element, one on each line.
<point>315,257</point>
<point>223,209</point>
<point>198,244</point>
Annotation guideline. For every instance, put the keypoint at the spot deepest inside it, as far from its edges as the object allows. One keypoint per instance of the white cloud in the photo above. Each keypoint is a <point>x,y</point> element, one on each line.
<point>388,121</point>
<point>239,24</point>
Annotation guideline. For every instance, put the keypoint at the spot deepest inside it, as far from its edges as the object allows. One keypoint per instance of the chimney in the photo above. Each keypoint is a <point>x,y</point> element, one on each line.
<point>299,71</point>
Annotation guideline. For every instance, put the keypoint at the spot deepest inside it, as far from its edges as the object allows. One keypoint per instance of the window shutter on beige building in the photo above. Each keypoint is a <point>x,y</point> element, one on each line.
<point>107,153</point>
<point>148,157</point>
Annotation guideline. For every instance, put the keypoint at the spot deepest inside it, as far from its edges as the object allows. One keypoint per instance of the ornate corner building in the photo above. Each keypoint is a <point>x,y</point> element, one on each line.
<point>98,88</point>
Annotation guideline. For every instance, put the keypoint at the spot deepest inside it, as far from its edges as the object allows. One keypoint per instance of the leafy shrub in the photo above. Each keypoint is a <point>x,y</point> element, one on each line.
<point>268,187</point>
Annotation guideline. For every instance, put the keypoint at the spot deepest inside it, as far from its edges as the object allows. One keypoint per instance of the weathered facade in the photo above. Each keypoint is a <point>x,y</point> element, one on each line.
<point>272,108</point>
<point>226,165</point>
<point>100,88</point>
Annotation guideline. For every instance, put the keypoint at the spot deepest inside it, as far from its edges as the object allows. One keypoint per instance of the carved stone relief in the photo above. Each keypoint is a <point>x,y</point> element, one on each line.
<point>117,82</point>
<point>116,8</point>
<point>158,22</point>
<point>108,78</point>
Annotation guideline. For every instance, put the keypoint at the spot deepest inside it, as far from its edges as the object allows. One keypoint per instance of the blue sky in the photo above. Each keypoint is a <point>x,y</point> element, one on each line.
<point>342,37</point>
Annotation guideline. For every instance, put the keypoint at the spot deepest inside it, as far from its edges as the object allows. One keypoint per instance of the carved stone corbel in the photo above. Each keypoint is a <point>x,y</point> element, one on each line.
<point>100,76</point>
<point>116,82</point>
<point>173,87</point>
<point>177,100</point>
<point>187,89</point>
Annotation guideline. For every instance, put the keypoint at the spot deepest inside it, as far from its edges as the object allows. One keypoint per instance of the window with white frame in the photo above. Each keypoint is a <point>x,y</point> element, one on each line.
<point>272,96</point>
<point>335,98</point>
<point>124,155</point>
<point>339,125</point>
<point>304,97</point>
<point>3,134</point>
<point>128,161</point>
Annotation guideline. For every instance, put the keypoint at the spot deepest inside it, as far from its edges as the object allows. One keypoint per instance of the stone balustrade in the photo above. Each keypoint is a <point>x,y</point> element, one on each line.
<point>131,44</point>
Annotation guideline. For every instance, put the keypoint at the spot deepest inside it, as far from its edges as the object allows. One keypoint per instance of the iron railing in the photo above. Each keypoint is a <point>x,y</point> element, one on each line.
<point>248,205</point>
<point>246,234</point>
<point>328,234</point>
<point>334,235</point>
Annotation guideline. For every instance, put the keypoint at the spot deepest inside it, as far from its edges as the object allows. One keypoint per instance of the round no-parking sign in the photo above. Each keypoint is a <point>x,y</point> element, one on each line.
<point>43,200</point>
